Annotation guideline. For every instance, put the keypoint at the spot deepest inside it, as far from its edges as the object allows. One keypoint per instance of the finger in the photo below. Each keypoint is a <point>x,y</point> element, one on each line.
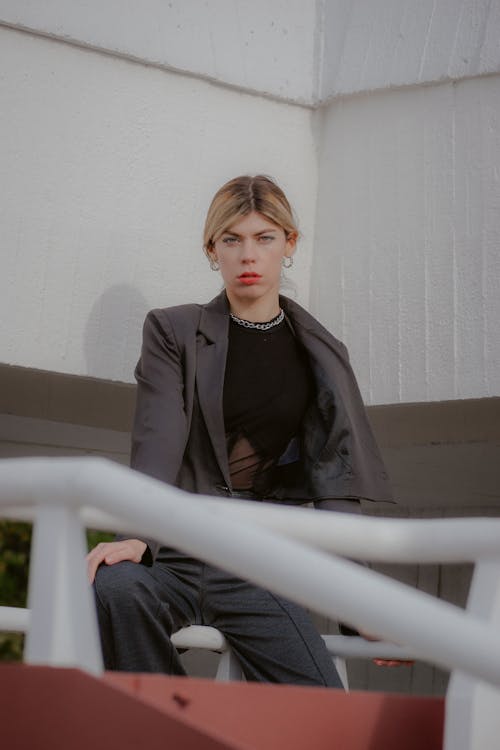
<point>130,549</point>
<point>96,557</point>
<point>97,551</point>
<point>111,553</point>
<point>118,554</point>
<point>393,662</point>
<point>101,550</point>
<point>93,562</point>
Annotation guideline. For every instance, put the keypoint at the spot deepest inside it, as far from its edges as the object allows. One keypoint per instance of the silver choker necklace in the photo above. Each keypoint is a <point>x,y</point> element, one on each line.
<point>260,326</point>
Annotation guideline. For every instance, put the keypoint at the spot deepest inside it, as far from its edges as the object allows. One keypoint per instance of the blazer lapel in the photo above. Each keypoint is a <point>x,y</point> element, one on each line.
<point>212,341</point>
<point>310,331</point>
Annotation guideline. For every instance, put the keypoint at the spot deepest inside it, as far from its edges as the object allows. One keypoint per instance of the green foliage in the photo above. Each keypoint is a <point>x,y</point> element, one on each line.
<point>94,537</point>
<point>15,544</point>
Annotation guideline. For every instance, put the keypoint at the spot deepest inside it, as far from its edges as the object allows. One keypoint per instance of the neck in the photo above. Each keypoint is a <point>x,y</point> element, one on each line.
<point>256,311</point>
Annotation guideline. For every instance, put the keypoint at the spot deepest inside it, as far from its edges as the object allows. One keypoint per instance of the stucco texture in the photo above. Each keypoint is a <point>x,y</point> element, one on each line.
<point>406,263</point>
<point>108,167</point>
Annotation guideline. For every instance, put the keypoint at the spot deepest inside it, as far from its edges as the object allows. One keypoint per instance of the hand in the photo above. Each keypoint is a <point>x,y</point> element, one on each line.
<point>387,662</point>
<point>110,553</point>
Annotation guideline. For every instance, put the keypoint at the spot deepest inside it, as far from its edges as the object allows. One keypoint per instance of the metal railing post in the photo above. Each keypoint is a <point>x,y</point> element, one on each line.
<point>472,718</point>
<point>63,628</point>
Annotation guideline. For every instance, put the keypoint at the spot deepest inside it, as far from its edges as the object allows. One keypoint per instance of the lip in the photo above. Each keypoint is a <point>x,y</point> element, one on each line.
<point>249,278</point>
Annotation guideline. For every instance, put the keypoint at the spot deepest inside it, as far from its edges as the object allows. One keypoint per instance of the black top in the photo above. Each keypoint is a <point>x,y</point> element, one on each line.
<point>267,387</point>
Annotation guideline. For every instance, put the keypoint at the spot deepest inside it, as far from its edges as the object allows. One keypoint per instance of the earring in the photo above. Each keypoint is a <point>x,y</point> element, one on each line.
<point>214,265</point>
<point>287,262</point>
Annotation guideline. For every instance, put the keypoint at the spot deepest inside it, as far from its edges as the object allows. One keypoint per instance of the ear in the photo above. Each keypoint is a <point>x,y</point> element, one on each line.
<point>210,253</point>
<point>291,243</point>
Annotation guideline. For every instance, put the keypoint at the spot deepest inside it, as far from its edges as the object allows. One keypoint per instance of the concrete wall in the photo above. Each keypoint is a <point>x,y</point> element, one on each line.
<point>378,44</point>
<point>407,262</point>
<point>251,44</point>
<point>307,51</point>
<point>108,167</point>
<point>406,259</point>
<point>110,156</point>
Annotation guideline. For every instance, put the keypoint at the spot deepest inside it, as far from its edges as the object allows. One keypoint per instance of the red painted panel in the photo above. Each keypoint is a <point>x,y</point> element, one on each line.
<point>268,717</point>
<point>43,707</point>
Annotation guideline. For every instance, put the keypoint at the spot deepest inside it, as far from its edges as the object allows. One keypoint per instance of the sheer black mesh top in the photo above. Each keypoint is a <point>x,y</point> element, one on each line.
<point>267,387</point>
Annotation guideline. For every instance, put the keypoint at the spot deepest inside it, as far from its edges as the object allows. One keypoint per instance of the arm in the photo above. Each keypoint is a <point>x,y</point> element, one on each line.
<point>159,432</point>
<point>341,505</point>
<point>353,505</point>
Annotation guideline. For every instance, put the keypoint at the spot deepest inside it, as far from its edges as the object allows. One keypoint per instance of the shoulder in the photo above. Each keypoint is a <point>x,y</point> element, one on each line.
<point>182,322</point>
<point>176,324</point>
<point>178,314</point>
<point>189,314</point>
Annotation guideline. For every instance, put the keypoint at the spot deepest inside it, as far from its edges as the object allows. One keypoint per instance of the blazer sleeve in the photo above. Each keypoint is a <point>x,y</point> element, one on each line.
<point>159,431</point>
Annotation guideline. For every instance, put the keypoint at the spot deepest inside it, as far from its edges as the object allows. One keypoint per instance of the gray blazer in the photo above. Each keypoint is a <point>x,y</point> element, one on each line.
<point>178,434</point>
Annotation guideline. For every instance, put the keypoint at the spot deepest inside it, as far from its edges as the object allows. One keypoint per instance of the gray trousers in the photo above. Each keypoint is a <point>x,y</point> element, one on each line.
<point>140,607</point>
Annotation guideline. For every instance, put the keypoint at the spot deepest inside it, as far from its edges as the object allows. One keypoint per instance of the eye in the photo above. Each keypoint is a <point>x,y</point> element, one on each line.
<point>230,240</point>
<point>266,237</point>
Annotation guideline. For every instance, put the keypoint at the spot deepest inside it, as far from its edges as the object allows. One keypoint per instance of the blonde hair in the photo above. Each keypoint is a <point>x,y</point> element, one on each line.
<point>239,197</point>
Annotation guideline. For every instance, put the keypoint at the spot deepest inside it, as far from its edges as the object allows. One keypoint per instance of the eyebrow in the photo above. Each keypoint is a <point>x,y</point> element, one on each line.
<point>256,234</point>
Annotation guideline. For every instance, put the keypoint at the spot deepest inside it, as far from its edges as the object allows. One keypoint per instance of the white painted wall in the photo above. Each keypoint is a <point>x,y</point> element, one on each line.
<point>406,266</point>
<point>108,167</point>
<point>257,45</point>
<point>307,51</point>
<point>377,44</point>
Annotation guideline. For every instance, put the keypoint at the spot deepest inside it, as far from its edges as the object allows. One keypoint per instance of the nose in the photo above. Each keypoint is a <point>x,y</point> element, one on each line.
<point>248,250</point>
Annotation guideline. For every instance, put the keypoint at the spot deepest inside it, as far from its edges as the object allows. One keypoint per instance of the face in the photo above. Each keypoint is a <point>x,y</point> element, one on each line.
<point>250,255</point>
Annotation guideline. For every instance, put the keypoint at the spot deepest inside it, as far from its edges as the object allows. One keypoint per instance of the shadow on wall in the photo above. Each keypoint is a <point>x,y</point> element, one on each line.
<point>113,333</point>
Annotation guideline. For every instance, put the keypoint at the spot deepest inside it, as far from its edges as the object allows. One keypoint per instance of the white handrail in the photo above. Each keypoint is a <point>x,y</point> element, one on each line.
<point>437,540</point>
<point>336,587</point>
<point>271,546</point>
<point>17,620</point>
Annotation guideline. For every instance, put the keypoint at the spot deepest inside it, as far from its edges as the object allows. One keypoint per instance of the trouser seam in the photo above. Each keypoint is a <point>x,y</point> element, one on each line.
<point>168,605</point>
<point>298,631</point>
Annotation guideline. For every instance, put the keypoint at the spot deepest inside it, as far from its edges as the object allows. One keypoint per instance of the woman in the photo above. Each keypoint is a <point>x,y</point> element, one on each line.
<point>247,396</point>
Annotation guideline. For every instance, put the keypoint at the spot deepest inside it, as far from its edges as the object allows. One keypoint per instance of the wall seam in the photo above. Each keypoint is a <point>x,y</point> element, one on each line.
<point>318,52</point>
<point>316,128</point>
<point>312,103</point>
<point>165,67</point>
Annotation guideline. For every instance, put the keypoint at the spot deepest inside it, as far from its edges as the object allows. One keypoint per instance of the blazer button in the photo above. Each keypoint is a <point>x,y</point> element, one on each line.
<point>223,488</point>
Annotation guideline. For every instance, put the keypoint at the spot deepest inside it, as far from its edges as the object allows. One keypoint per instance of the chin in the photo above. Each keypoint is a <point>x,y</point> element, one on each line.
<point>249,292</point>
